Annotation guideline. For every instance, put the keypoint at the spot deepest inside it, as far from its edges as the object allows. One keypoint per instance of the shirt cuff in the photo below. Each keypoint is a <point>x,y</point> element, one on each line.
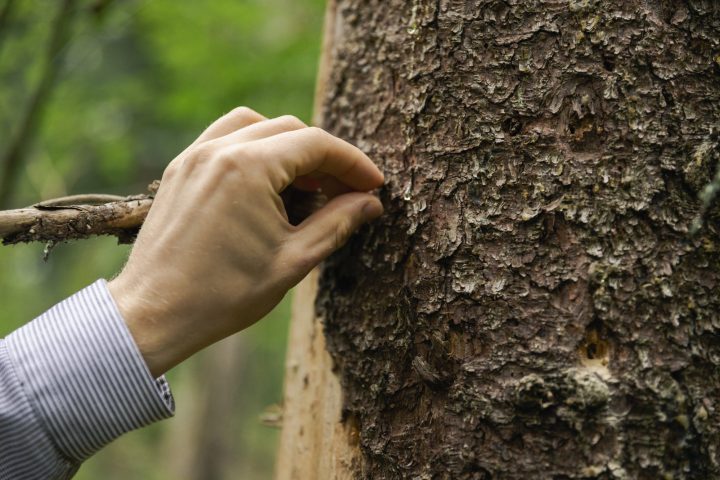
<point>84,374</point>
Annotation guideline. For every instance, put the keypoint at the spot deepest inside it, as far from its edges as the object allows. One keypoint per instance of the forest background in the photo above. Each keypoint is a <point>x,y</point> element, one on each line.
<point>137,82</point>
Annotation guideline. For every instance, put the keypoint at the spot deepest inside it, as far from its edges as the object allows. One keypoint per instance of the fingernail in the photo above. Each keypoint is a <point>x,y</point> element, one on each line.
<point>372,209</point>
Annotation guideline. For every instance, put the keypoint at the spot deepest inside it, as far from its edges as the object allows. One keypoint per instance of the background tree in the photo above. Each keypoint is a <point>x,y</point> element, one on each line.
<point>532,305</point>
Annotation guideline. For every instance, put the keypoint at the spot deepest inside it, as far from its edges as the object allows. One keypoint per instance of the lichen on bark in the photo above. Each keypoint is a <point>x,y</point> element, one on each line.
<point>532,304</point>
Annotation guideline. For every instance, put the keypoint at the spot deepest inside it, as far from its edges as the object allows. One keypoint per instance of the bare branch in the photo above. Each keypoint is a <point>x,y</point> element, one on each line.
<point>57,223</point>
<point>83,216</point>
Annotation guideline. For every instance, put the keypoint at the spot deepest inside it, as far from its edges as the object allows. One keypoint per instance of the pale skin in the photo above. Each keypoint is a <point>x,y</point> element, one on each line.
<point>216,252</point>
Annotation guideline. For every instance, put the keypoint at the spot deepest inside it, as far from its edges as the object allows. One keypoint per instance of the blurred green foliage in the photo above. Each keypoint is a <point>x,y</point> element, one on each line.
<point>139,81</point>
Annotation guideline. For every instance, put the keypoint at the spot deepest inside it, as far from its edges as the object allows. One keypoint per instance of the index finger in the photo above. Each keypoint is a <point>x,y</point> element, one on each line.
<point>312,149</point>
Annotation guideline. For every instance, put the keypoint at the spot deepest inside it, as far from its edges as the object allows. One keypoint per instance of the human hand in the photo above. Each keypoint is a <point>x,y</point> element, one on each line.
<point>216,252</point>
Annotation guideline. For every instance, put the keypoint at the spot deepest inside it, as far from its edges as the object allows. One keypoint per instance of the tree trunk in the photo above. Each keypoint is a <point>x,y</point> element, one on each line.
<point>532,304</point>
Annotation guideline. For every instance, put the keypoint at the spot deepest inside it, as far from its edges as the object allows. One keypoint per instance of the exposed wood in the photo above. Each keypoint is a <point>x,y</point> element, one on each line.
<point>314,442</point>
<point>326,59</point>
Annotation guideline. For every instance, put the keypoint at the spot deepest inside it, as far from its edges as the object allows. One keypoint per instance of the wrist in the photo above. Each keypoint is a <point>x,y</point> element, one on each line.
<point>143,320</point>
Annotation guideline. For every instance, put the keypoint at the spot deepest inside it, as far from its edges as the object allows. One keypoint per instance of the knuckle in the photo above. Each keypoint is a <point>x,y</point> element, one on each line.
<point>237,164</point>
<point>244,114</point>
<point>170,171</point>
<point>226,162</point>
<point>201,153</point>
<point>291,122</point>
<point>317,133</point>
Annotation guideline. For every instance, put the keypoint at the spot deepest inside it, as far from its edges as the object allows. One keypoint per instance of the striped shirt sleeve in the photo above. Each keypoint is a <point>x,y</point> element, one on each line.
<point>71,381</point>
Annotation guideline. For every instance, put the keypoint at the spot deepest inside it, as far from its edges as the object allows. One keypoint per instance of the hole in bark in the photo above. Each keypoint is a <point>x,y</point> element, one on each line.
<point>668,98</point>
<point>476,192</point>
<point>595,347</point>
<point>511,126</point>
<point>609,64</point>
<point>479,472</point>
<point>584,133</point>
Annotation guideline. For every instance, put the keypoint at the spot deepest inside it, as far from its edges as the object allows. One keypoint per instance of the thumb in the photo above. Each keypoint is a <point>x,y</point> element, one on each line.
<point>330,227</point>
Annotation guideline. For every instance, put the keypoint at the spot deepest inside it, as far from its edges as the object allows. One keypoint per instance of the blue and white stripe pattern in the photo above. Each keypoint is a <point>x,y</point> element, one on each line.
<point>71,381</point>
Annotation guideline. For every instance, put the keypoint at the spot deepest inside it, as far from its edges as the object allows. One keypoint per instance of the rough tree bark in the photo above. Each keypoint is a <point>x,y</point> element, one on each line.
<point>532,305</point>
